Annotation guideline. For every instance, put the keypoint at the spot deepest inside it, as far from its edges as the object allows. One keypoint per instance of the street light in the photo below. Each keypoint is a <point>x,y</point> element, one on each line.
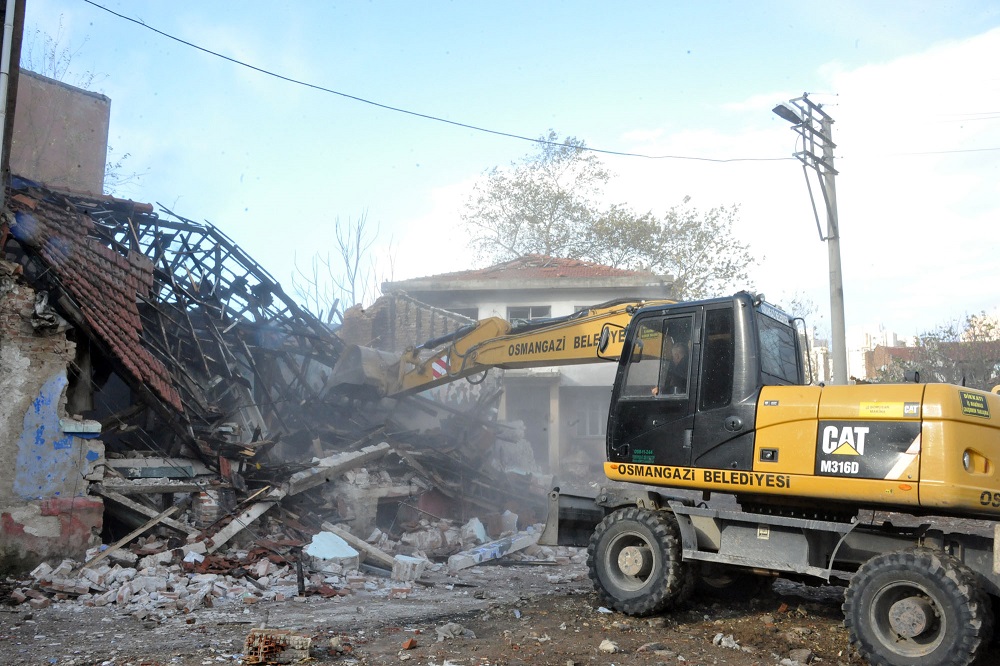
<point>815,126</point>
<point>786,112</point>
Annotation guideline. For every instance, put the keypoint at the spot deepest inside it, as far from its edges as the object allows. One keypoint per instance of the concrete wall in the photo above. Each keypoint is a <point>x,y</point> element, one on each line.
<point>60,134</point>
<point>395,322</point>
<point>45,512</point>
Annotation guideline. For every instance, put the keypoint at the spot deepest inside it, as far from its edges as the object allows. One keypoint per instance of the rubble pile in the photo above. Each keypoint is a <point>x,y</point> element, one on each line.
<point>152,580</point>
<point>207,400</point>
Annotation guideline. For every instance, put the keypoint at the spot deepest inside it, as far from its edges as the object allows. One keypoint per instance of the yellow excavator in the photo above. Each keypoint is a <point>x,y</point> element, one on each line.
<point>710,396</point>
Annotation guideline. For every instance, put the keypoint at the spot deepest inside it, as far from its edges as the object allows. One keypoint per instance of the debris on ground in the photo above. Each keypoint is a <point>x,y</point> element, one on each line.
<point>224,455</point>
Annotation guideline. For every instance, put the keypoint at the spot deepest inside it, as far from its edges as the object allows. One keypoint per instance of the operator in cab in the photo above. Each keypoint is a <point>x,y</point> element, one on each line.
<point>677,373</point>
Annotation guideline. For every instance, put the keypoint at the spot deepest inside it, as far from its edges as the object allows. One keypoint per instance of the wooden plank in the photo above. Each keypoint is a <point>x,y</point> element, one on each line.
<point>493,550</point>
<point>155,467</point>
<point>360,545</point>
<point>118,498</point>
<point>239,523</point>
<point>155,520</point>
<point>152,488</point>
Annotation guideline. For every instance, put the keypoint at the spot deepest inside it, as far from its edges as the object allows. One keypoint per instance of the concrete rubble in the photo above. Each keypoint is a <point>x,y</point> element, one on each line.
<point>167,581</point>
<point>185,407</point>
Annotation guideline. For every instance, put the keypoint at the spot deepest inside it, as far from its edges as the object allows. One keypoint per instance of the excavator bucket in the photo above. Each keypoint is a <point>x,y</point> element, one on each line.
<point>571,519</point>
<point>364,373</point>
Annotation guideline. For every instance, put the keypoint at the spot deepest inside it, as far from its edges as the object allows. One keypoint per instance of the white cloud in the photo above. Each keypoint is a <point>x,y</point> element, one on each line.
<point>919,232</point>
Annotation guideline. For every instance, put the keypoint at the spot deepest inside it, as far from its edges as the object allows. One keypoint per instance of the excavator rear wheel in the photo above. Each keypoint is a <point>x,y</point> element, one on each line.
<point>917,608</point>
<point>634,559</point>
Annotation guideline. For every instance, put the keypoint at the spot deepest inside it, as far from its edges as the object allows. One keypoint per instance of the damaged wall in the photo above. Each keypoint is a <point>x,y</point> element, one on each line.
<point>44,507</point>
<point>60,134</point>
<point>395,321</point>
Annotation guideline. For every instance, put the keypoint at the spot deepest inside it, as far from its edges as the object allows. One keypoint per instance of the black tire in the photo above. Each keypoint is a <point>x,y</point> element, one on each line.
<point>729,584</point>
<point>634,559</point>
<point>917,608</point>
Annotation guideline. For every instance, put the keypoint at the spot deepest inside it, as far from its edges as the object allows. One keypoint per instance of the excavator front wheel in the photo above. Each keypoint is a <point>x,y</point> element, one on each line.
<point>634,559</point>
<point>917,608</point>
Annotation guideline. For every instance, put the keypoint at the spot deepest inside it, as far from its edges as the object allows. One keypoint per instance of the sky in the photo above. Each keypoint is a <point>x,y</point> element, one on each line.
<point>912,85</point>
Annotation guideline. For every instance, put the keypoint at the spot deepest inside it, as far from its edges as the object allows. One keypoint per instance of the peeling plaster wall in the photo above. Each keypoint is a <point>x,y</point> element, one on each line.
<point>45,512</point>
<point>50,463</point>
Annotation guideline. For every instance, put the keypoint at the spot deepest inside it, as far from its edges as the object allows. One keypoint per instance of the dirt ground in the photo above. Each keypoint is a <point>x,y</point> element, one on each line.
<point>494,614</point>
<point>489,615</point>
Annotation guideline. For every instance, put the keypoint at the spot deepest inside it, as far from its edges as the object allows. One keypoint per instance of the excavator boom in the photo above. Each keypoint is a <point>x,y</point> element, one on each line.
<point>488,343</point>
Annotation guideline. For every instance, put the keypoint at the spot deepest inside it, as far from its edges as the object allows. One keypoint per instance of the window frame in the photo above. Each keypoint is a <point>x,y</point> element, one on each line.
<point>532,316</point>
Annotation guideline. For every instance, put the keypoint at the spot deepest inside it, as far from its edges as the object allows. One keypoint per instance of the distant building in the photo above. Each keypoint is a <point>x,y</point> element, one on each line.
<point>861,347</point>
<point>882,356</point>
<point>564,409</point>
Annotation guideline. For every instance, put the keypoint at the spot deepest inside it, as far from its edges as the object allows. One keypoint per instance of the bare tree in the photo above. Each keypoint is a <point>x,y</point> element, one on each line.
<point>49,55</point>
<point>964,352</point>
<point>350,275</point>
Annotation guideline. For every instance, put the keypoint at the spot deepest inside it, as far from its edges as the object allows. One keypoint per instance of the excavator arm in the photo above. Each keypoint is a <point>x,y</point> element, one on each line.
<point>488,343</point>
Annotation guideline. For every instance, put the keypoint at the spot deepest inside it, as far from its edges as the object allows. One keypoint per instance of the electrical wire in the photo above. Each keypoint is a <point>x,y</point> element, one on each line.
<point>958,117</point>
<point>945,152</point>
<point>426,116</point>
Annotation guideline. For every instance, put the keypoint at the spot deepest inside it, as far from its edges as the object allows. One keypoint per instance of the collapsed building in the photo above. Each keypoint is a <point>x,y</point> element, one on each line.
<point>157,378</point>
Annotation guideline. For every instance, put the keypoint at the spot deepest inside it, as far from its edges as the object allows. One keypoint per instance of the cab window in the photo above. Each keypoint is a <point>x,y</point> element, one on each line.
<point>659,365</point>
<point>675,364</point>
<point>718,361</point>
<point>778,351</point>
<point>643,367</point>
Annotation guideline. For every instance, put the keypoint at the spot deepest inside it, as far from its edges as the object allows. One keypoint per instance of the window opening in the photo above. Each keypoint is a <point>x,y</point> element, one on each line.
<point>529,312</point>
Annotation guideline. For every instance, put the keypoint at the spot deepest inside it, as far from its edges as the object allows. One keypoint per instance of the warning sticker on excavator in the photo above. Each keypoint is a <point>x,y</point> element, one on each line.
<point>866,449</point>
<point>439,367</point>
<point>889,410</point>
<point>974,404</point>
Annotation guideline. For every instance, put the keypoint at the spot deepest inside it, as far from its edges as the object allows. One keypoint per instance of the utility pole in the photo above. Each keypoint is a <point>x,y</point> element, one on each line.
<point>815,126</point>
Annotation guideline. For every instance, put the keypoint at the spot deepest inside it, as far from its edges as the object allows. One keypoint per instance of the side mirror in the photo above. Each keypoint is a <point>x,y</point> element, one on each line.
<point>602,343</point>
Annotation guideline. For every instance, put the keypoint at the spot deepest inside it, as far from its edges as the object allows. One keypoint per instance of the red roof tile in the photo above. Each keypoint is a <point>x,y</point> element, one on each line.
<point>100,281</point>
<point>537,266</point>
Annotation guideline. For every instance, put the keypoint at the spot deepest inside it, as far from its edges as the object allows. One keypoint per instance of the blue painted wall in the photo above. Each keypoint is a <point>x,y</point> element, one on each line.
<point>49,462</point>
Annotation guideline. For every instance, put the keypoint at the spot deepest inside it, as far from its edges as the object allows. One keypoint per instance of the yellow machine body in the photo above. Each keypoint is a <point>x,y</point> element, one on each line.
<point>917,447</point>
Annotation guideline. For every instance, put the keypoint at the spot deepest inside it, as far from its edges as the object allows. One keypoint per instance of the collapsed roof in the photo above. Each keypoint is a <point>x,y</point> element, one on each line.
<point>195,327</point>
<point>219,362</point>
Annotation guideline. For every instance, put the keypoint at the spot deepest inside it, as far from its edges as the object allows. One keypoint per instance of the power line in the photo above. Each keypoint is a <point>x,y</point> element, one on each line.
<point>425,116</point>
<point>988,115</point>
<point>944,152</point>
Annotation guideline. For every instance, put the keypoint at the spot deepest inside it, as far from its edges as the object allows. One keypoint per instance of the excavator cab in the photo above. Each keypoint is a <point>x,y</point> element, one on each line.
<point>688,380</point>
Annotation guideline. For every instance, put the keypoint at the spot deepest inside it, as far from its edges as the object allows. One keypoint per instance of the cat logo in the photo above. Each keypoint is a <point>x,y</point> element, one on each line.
<point>877,449</point>
<point>846,441</point>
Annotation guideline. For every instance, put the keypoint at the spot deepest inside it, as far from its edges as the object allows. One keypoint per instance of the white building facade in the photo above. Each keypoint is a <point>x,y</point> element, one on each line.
<point>564,409</point>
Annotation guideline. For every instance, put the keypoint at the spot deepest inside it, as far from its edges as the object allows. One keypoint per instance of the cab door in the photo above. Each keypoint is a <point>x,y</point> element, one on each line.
<point>651,420</point>
<point>723,433</point>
